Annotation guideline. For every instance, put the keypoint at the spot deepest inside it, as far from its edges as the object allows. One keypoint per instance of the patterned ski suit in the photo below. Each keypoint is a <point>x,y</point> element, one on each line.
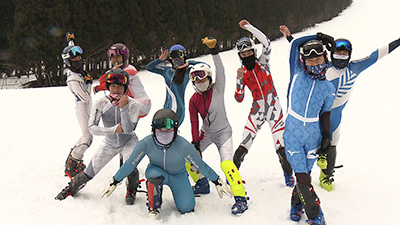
<point>307,100</point>
<point>175,94</point>
<point>113,143</point>
<point>344,79</point>
<point>135,89</point>
<point>170,164</point>
<point>83,105</point>
<point>266,106</point>
<point>211,107</point>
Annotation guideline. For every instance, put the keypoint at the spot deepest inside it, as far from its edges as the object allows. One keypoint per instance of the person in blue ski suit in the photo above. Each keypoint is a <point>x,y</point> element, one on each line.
<point>310,98</point>
<point>342,73</point>
<point>167,153</point>
<point>176,77</point>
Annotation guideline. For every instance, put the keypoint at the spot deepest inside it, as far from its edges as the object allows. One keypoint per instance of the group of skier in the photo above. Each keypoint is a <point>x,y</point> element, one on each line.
<point>317,94</point>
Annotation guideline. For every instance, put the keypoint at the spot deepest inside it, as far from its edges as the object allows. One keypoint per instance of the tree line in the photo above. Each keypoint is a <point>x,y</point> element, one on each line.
<point>32,31</point>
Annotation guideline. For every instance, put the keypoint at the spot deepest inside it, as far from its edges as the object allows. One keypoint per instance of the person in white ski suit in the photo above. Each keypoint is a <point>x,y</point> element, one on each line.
<point>208,101</point>
<point>79,83</point>
<point>307,132</point>
<point>266,107</point>
<point>342,73</point>
<point>120,119</point>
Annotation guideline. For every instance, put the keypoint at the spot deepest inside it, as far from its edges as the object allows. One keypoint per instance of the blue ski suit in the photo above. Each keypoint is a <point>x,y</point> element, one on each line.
<point>175,94</point>
<point>169,163</point>
<point>307,100</point>
<point>344,79</point>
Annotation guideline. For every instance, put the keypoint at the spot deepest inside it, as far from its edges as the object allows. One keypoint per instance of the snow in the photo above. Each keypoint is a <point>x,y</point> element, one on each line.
<point>39,128</point>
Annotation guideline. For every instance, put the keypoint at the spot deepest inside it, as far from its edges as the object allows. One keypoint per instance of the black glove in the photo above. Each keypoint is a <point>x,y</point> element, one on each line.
<point>197,146</point>
<point>239,155</point>
<point>325,144</point>
<point>327,40</point>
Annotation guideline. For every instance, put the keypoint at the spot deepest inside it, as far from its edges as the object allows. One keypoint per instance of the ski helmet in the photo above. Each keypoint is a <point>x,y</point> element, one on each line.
<point>117,76</point>
<point>69,53</point>
<point>341,61</point>
<point>177,51</point>
<point>119,49</point>
<point>200,71</point>
<point>164,118</point>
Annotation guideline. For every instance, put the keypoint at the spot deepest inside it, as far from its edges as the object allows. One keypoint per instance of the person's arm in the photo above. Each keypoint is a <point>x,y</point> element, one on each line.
<point>239,93</point>
<point>78,88</point>
<point>266,50</point>
<point>102,84</point>
<point>129,115</point>
<point>154,66</point>
<point>286,32</point>
<point>194,119</point>
<point>94,120</point>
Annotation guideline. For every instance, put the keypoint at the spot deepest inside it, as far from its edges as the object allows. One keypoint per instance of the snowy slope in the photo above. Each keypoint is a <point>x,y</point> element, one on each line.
<point>39,127</point>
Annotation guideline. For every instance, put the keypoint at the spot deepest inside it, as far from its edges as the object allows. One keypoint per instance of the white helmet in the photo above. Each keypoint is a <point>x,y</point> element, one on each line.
<point>200,71</point>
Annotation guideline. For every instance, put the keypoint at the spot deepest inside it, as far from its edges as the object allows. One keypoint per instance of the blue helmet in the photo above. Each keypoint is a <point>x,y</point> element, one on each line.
<point>177,51</point>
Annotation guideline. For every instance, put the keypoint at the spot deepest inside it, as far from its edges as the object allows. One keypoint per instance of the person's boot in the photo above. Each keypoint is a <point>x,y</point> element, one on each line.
<point>287,169</point>
<point>201,187</point>
<point>296,207</point>
<point>73,166</point>
<point>132,185</point>
<point>76,184</point>
<point>240,205</point>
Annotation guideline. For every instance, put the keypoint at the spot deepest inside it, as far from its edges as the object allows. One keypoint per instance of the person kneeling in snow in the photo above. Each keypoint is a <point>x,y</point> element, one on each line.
<point>120,115</point>
<point>167,152</point>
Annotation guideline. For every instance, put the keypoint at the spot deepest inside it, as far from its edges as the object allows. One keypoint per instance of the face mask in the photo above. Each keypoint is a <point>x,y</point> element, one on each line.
<point>76,65</point>
<point>164,138</point>
<point>202,87</point>
<point>178,62</point>
<point>249,62</point>
<point>340,63</point>
<point>115,99</point>
<point>317,72</point>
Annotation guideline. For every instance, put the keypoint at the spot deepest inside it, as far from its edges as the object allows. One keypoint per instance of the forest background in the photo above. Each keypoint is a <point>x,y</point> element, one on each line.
<point>32,32</point>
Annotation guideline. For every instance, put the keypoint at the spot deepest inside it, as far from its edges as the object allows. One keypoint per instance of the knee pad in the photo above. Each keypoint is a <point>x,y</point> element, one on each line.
<point>235,180</point>
<point>287,169</point>
<point>154,192</point>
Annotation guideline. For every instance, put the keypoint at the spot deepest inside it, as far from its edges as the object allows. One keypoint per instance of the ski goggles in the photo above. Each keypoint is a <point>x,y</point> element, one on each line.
<point>244,44</point>
<point>339,56</point>
<point>113,78</point>
<point>176,54</point>
<point>316,48</point>
<point>343,45</point>
<point>75,51</point>
<point>197,75</point>
<point>163,122</point>
<point>116,52</point>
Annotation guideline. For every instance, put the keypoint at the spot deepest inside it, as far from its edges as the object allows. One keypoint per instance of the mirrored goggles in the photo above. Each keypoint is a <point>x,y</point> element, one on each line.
<point>75,51</point>
<point>307,50</point>
<point>343,45</point>
<point>117,52</point>
<point>197,75</point>
<point>113,78</point>
<point>176,54</point>
<point>163,122</point>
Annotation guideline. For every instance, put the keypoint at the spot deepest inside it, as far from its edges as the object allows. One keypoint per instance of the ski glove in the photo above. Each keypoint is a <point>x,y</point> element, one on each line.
<point>69,36</point>
<point>88,79</point>
<point>197,146</point>
<point>221,187</point>
<point>210,42</point>
<point>327,40</point>
<point>325,144</point>
<point>110,187</point>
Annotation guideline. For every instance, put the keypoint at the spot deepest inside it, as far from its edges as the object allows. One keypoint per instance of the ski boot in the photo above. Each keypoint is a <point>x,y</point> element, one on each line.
<point>132,185</point>
<point>74,186</point>
<point>319,220</point>
<point>325,181</point>
<point>73,166</point>
<point>289,180</point>
<point>295,212</point>
<point>201,187</point>
<point>240,205</point>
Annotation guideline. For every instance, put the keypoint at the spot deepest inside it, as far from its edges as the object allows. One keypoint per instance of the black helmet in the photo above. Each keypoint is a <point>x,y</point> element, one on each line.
<point>70,52</point>
<point>342,61</point>
<point>165,118</point>
<point>117,76</point>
